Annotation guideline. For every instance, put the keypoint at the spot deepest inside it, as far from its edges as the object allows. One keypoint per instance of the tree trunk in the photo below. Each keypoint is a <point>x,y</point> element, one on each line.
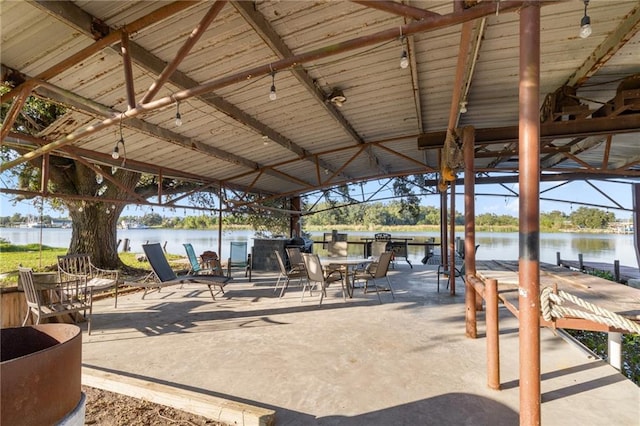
<point>94,232</point>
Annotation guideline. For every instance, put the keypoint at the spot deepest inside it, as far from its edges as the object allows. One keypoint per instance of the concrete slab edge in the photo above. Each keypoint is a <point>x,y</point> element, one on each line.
<point>212,407</point>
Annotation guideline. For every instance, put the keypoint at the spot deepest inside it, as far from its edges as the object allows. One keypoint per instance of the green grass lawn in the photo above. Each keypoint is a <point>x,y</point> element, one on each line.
<point>44,258</point>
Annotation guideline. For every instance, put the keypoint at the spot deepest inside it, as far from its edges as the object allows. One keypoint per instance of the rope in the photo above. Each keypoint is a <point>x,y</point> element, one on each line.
<point>551,305</point>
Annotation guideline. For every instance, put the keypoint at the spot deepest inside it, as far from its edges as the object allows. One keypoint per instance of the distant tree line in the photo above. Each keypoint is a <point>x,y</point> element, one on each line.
<point>370,215</point>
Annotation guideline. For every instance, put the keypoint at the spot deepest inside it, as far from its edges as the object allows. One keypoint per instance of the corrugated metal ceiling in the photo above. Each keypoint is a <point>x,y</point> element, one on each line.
<point>237,137</point>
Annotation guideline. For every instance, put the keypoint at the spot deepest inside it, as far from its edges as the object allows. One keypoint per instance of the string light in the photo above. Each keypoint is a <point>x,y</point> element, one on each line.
<point>585,22</point>
<point>115,154</point>
<point>272,93</point>
<point>178,116</point>
<point>404,58</point>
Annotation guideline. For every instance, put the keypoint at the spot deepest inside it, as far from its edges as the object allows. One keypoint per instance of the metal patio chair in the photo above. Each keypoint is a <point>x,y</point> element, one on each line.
<point>238,258</point>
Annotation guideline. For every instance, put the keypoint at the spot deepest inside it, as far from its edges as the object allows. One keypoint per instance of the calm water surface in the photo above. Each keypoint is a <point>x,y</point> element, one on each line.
<point>503,246</point>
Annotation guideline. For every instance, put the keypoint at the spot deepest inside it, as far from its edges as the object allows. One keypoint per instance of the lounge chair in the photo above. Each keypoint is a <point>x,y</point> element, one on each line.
<point>167,276</point>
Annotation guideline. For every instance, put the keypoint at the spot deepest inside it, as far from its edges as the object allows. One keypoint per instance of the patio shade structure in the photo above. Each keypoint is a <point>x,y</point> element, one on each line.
<point>137,66</point>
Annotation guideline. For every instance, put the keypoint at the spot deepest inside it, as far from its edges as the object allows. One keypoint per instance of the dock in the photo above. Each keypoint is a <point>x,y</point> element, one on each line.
<point>620,273</point>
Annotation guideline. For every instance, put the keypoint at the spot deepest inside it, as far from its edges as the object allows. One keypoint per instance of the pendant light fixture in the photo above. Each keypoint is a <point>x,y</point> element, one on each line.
<point>178,116</point>
<point>115,154</point>
<point>404,57</point>
<point>585,22</point>
<point>272,93</point>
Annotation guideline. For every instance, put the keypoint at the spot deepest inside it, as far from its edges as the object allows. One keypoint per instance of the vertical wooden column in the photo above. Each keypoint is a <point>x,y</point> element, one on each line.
<point>468,140</point>
<point>529,180</point>
<point>220,224</point>
<point>493,333</point>
<point>443,230</point>
<point>452,241</point>
<point>294,219</point>
<point>636,219</point>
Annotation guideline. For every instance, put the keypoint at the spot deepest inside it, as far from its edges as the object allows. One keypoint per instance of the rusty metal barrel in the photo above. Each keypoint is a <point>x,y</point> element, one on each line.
<point>41,375</point>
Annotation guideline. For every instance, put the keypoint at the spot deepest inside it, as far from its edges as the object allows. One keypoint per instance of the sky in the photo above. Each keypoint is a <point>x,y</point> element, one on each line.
<point>498,203</point>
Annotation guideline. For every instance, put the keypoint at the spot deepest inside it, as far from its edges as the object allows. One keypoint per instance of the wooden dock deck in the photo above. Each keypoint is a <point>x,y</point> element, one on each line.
<point>620,273</point>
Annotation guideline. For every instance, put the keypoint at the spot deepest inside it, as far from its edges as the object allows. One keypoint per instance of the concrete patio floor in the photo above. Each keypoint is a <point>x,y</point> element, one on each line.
<point>403,362</point>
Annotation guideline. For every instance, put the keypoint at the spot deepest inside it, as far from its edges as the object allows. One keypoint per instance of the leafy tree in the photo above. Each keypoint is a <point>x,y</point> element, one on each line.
<point>587,217</point>
<point>553,220</point>
<point>93,222</point>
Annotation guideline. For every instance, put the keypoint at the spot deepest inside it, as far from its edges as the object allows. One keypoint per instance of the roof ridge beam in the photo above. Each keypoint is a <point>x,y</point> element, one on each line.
<point>398,9</point>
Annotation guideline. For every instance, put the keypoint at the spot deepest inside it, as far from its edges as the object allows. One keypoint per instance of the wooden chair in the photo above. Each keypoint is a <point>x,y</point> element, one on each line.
<point>287,274</point>
<point>78,266</point>
<point>65,298</point>
<point>316,274</point>
<point>375,271</point>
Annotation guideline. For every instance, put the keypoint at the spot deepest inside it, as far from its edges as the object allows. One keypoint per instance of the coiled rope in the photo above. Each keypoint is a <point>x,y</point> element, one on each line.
<point>552,307</point>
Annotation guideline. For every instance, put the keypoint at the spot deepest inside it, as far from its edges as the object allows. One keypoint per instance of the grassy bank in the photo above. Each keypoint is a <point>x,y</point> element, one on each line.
<point>42,259</point>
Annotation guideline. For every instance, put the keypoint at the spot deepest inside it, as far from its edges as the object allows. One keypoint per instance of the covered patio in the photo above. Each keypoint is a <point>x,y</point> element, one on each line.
<point>405,361</point>
<point>263,100</point>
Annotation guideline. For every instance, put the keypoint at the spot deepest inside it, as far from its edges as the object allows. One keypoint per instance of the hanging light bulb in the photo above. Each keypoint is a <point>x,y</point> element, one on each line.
<point>99,178</point>
<point>272,94</point>
<point>178,116</point>
<point>463,107</point>
<point>404,60</point>
<point>585,22</point>
<point>115,154</point>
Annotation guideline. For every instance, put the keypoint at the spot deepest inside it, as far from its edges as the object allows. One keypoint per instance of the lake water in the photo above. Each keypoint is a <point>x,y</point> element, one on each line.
<point>502,246</point>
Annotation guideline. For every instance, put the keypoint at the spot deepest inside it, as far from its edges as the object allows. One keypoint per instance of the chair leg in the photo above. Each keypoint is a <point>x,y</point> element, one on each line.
<point>26,317</point>
<point>375,285</point>
<point>284,286</point>
<point>277,282</point>
<point>393,296</point>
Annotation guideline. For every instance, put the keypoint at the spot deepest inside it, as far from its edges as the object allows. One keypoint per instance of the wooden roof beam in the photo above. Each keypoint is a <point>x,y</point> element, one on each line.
<point>66,9</point>
<point>398,9</point>
<point>273,40</point>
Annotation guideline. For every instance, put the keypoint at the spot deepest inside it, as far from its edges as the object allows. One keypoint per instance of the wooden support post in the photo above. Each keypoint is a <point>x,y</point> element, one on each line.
<point>558,261</point>
<point>493,341</point>
<point>616,270</point>
<point>529,214</point>
<point>580,262</point>
<point>472,299</point>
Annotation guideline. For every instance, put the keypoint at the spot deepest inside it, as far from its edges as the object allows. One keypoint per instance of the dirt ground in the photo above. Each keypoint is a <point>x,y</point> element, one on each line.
<point>112,409</point>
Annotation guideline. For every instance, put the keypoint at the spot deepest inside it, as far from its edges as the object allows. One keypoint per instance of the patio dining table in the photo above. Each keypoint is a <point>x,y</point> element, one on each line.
<point>345,264</point>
